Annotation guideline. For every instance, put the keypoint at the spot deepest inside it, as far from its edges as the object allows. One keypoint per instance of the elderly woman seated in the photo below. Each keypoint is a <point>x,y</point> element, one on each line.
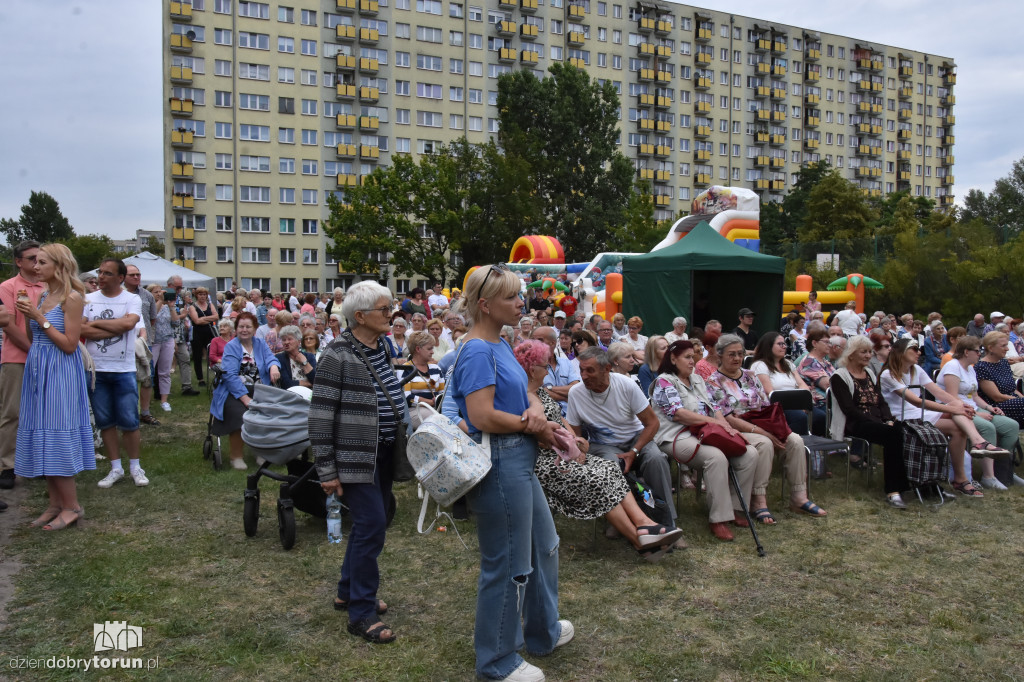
<point>226,329</point>
<point>620,354</point>
<point>995,377</point>
<point>736,391</point>
<point>776,373</point>
<point>860,411</point>
<point>678,332</point>
<point>653,354</point>
<point>298,368</point>
<point>949,415</point>
<point>680,400</point>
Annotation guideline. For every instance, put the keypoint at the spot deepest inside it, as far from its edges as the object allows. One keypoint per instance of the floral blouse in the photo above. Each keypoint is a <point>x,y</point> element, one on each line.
<point>736,396</point>
<point>811,370</point>
<point>667,398</point>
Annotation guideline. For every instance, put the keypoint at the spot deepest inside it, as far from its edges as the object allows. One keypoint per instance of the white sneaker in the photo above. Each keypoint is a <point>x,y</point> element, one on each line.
<point>1017,480</point>
<point>526,673</point>
<point>566,634</point>
<point>139,476</point>
<point>239,464</point>
<point>113,477</point>
<point>993,483</point>
<point>165,406</point>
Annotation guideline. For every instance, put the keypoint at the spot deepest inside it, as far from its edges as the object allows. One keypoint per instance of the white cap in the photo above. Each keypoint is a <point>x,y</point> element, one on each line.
<point>560,313</point>
<point>995,314</point>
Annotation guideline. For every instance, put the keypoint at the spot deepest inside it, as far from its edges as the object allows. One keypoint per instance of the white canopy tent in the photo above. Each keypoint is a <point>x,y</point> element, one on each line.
<point>156,270</point>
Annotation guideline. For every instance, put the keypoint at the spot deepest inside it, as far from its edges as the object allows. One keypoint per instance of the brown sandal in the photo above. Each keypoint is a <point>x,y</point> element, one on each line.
<point>49,515</point>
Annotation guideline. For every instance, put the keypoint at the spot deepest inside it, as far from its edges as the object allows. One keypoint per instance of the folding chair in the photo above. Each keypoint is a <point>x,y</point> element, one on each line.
<point>802,399</point>
<point>865,448</point>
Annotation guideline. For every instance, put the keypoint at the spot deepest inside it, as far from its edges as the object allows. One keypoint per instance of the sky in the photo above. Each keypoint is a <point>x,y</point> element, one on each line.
<point>81,111</point>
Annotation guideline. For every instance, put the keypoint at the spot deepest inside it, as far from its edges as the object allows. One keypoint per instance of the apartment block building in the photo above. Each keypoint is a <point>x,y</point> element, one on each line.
<point>271,107</point>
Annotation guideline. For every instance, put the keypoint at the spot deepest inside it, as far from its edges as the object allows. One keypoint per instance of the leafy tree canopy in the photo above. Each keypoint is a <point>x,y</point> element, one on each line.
<point>41,220</point>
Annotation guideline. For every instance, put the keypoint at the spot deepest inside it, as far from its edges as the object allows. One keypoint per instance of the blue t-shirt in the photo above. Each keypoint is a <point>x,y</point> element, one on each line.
<point>484,364</point>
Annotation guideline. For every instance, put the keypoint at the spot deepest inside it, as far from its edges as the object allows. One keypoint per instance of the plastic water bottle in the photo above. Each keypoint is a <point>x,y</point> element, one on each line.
<point>334,535</point>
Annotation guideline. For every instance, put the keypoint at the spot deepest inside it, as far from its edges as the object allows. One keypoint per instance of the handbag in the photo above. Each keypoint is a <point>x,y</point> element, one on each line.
<point>401,470</point>
<point>772,419</point>
<point>715,435</point>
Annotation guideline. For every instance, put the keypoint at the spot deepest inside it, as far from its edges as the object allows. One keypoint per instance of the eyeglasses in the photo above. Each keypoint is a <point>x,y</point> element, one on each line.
<point>885,345</point>
<point>383,310</point>
<point>497,267</point>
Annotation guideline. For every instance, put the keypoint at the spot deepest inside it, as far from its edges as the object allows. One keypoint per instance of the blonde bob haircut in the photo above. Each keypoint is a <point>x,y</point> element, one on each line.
<point>501,283</point>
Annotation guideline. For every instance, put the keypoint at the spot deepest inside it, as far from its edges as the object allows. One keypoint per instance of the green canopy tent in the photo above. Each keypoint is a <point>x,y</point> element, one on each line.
<point>702,276</point>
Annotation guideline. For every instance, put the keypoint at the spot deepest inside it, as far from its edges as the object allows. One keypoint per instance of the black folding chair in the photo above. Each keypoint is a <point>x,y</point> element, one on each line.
<point>801,399</point>
<point>865,448</point>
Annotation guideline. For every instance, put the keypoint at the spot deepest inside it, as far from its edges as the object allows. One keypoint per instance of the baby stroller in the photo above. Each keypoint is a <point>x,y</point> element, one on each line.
<point>211,445</point>
<point>275,427</point>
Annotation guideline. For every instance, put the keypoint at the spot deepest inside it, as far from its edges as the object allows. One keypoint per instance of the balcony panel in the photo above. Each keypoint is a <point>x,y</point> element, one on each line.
<point>528,5</point>
<point>346,5</point>
<point>347,180</point>
<point>345,32</point>
<point>506,28</point>
<point>369,65</point>
<point>529,57</point>
<point>345,62</point>
<point>346,150</point>
<point>183,202</point>
<point>368,94</point>
<point>369,7</point>
<point>181,138</point>
<point>369,35</point>
<point>576,38</point>
<point>508,54</point>
<point>368,152</point>
<point>181,107</point>
<point>180,43</point>
<point>181,11</point>
<point>369,123</point>
<point>528,32</point>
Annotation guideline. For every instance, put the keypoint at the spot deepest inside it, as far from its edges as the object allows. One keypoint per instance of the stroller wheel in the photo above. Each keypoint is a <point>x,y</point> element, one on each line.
<point>286,523</point>
<point>208,447</point>
<point>251,512</point>
<point>218,460</point>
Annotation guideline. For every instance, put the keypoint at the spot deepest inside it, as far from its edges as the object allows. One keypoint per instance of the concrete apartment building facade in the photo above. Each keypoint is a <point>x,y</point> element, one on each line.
<point>270,107</point>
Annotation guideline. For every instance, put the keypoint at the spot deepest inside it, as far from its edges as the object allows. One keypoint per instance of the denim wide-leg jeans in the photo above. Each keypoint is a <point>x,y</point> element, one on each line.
<point>517,594</point>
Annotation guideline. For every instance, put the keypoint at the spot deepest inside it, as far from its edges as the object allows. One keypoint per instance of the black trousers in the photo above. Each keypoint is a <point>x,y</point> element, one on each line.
<point>891,440</point>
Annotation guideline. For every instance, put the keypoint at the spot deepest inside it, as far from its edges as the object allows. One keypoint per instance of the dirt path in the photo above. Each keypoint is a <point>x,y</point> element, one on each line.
<point>9,567</point>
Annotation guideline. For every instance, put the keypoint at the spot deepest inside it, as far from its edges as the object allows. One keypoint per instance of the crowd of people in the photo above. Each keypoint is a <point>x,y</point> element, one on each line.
<point>580,412</point>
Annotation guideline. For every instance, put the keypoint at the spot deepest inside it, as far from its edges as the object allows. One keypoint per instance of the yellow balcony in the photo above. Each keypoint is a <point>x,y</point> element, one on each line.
<point>761,185</point>
<point>863,149</point>
<point>811,144</point>
<point>663,27</point>
<point>181,107</point>
<point>183,234</point>
<point>778,93</point>
<point>369,65</point>
<point>876,130</point>
<point>872,192</point>
<point>864,107</point>
<point>646,173</point>
<point>812,99</point>
<point>370,7</point>
<point>529,56</point>
<point>905,71</point>
<point>645,74</point>
<point>663,51</point>
<point>183,202</point>
<point>778,185</point>
<point>776,162</point>
<point>702,58</point>
<point>877,87</point>
<point>778,46</point>
<point>663,126</point>
<point>702,107</point>
<point>812,54</point>
<point>662,176</point>
<point>761,137</point>
<point>645,99</point>
<point>508,54</point>
<point>864,86</point>
<point>863,63</point>
<point>763,45</point>
<point>949,120</point>
<point>180,43</point>
<point>946,200</point>
<point>664,76</point>
<point>662,102</point>
<point>948,140</point>
<point>506,28</point>
<point>948,100</point>
<point>904,114</point>
<point>762,91</point>
<point>576,11</point>
<point>347,180</point>
<point>645,25</point>
<point>369,123</point>
<point>575,38</point>
<point>761,161</point>
<point>905,92</point>
<point>762,115</point>
<point>345,90</point>
<point>950,78</point>
<point>702,131</point>
<point>181,138</point>
<point>346,5</point>
<point>189,263</point>
<point>346,150</point>
<point>181,11</point>
<point>702,178</point>
<point>182,170</point>
<point>368,94</point>
<point>778,116</point>
<point>347,120</point>
<point>506,4</point>
<point>863,128</point>
<point>903,155</point>
<point>778,70</point>
<point>528,5</point>
<point>368,152</point>
<point>645,149</point>
<point>662,150</point>
<point>345,62</point>
<point>903,176</point>
<point>704,34</point>
<point>528,31</point>
<point>764,67</point>
<point>369,35</point>
<point>903,134</point>
<point>702,83</point>
<point>645,48</point>
<point>876,108</point>
<point>702,155</point>
<point>662,199</point>
<point>577,62</point>
<point>946,160</point>
<point>645,123</point>
<point>345,31</point>
<point>812,76</point>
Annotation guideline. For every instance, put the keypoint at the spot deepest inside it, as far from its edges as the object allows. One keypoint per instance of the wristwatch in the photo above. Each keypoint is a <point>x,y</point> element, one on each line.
<point>46,324</point>
<point>635,451</point>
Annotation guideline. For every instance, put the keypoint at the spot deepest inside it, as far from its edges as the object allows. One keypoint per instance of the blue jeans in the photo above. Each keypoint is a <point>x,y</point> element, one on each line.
<point>517,594</point>
<point>367,504</point>
<point>115,401</point>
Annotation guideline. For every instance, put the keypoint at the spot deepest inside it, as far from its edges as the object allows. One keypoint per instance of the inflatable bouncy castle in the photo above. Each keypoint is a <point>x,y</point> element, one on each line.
<point>734,212</point>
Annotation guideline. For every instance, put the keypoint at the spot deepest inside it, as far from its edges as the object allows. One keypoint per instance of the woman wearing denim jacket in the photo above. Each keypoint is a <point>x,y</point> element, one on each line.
<point>517,593</point>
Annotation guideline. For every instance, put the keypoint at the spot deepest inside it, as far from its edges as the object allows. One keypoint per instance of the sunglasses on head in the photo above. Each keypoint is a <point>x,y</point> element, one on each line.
<point>497,267</point>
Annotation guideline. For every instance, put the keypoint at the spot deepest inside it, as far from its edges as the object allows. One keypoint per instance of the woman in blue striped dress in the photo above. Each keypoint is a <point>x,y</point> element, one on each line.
<point>54,436</point>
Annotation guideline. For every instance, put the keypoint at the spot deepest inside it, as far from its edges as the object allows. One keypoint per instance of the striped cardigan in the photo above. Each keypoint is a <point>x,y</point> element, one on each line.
<point>343,416</point>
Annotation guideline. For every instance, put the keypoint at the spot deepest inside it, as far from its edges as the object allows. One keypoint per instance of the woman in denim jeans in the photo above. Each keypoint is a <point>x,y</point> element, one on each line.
<point>517,597</point>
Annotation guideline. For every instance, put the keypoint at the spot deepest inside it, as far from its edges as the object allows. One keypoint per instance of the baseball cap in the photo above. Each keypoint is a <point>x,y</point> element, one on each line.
<point>560,313</point>
<point>746,311</point>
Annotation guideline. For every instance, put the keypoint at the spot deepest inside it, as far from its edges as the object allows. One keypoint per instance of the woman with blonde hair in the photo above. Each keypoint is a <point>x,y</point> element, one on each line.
<point>517,593</point>
<point>55,439</point>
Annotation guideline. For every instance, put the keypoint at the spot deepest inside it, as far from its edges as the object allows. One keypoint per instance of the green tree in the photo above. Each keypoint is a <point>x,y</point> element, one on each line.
<point>781,222</point>
<point>419,213</point>
<point>41,220</point>
<point>153,245</point>
<point>90,249</point>
<point>565,127</point>
<point>837,213</point>
<point>640,232</point>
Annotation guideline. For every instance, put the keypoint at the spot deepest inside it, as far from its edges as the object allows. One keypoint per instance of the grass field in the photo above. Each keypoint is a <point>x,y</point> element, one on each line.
<point>870,593</point>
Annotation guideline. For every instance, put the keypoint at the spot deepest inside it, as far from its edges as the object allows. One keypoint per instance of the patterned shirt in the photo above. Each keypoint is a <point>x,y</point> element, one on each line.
<point>811,370</point>
<point>736,396</point>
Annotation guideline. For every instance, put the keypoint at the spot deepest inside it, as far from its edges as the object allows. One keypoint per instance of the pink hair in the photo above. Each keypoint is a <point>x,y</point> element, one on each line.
<point>530,353</point>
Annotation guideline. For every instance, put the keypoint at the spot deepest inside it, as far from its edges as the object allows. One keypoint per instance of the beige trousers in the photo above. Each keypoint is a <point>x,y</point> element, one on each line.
<point>11,374</point>
<point>794,462</point>
<point>722,500</point>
